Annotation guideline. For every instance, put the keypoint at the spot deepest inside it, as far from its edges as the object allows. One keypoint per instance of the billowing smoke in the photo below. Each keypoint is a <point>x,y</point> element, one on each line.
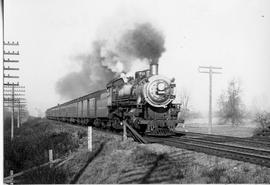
<point>133,50</point>
<point>92,76</point>
<point>143,42</point>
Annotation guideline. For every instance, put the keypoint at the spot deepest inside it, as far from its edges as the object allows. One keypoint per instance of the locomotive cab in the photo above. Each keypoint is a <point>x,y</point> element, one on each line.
<point>139,75</point>
<point>113,88</point>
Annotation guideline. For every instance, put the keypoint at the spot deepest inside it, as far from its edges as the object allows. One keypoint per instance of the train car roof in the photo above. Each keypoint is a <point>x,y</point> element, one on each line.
<point>90,95</point>
<point>109,84</point>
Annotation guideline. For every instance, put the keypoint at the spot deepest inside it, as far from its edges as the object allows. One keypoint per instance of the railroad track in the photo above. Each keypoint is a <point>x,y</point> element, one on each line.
<point>196,142</point>
<point>256,142</point>
<point>241,153</point>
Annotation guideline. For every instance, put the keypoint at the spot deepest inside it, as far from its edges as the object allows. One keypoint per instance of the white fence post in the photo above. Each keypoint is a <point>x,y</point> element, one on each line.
<point>11,174</point>
<point>124,131</point>
<point>50,157</point>
<point>90,147</point>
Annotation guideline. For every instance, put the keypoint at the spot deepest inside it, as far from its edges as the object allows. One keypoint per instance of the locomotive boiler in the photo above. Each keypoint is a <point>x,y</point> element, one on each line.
<point>144,101</point>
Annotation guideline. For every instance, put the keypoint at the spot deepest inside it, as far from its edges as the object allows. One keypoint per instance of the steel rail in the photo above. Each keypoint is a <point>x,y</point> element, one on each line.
<point>228,138</point>
<point>135,134</point>
<point>232,146</point>
<point>218,150</point>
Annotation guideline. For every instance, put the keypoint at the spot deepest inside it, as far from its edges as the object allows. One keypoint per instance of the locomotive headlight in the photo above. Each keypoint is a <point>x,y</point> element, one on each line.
<point>161,86</point>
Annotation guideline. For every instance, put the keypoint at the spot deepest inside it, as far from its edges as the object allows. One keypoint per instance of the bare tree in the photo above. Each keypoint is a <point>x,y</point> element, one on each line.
<point>264,119</point>
<point>184,96</point>
<point>230,104</point>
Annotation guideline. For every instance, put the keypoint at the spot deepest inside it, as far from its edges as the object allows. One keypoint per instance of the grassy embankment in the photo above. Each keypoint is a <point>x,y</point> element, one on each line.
<point>118,162</point>
<point>30,147</point>
<point>130,162</point>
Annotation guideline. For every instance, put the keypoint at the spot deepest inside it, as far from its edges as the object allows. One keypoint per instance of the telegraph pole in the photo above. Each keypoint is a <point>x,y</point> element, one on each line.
<point>209,70</point>
<point>21,105</point>
<point>15,99</point>
<point>10,77</point>
<point>16,102</point>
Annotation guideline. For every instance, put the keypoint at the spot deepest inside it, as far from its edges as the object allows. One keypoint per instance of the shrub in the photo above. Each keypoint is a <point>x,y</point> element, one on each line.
<point>60,142</point>
<point>263,118</point>
<point>81,134</point>
<point>30,146</point>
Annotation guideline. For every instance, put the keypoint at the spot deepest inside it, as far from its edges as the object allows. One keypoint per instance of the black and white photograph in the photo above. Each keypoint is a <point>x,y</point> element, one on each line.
<point>135,92</point>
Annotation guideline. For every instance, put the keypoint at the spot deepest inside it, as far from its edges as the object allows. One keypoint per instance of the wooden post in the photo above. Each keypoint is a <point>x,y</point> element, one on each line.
<point>11,180</point>
<point>124,131</point>
<point>18,118</point>
<point>210,102</point>
<point>12,115</point>
<point>50,157</point>
<point>90,147</point>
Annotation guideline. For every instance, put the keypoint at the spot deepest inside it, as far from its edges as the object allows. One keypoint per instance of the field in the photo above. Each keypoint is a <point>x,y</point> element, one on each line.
<point>116,161</point>
<point>246,129</point>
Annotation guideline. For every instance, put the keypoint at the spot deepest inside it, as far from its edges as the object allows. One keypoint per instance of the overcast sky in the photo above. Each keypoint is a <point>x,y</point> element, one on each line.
<point>233,34</point>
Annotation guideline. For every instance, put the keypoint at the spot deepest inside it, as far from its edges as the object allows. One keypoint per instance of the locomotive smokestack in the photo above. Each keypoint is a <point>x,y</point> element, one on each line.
<point>154,67</point>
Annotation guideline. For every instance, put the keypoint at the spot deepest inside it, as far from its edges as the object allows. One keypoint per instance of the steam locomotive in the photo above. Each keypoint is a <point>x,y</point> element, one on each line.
<point>145,102</point>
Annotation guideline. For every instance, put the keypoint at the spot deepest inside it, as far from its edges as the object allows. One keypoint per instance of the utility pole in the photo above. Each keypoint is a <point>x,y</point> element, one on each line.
<point>22,112</point>
<point>14,98</point>
<point>19,104</point>
<point>16,102</point>
<point>10,78</point>
<point>209,70</point>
